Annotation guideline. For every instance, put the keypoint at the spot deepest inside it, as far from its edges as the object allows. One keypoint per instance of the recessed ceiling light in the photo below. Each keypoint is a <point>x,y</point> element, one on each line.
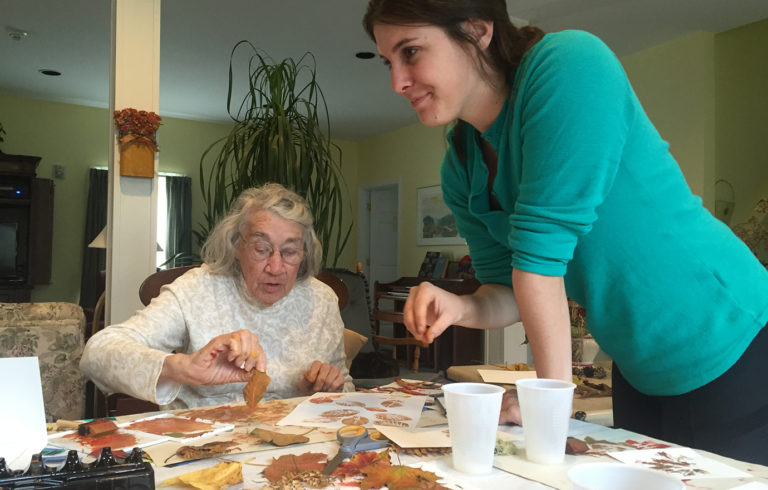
<point>50,73</point>
<point>16,34</point>
<point>364,55</point>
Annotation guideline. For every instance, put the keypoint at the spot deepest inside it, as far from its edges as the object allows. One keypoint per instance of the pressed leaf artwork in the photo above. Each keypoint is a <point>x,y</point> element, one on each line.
<point>266,412</point>
<point>290,463</point>
<point>334,411</point>
<point>398,478</point>
<point>361,460</point>
<point>279,439</point>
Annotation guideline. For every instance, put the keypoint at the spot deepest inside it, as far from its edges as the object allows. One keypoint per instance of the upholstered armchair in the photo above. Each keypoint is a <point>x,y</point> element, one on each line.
<point>54,333</point>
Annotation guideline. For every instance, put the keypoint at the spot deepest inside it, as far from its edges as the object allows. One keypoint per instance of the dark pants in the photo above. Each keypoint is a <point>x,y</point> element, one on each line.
<point>728,416</point>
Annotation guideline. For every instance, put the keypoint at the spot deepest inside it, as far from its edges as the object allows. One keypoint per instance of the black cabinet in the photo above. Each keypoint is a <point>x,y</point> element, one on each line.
<point>26,227</point>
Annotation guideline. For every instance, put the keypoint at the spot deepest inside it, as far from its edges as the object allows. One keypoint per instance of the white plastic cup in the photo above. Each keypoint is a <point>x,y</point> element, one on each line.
<point>618,476</point>
<point>473,419</point>
<point>545,409</point>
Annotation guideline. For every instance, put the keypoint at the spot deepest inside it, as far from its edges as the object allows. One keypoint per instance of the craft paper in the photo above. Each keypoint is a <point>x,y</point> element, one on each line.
<point>427,437</point>
<point>504,376</point>
<point>122,439</point>
<point>680,462</point>
<point>22,414</point>
<point>335,410</point>
<point>179,429</point>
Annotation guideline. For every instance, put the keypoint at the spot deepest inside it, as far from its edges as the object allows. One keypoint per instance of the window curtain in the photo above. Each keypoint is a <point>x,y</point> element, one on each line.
<point>178,247</point>
<point>94,259</point>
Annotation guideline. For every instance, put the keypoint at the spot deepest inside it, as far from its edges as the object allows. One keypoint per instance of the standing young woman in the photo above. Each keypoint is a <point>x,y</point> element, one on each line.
<point>563,188</point>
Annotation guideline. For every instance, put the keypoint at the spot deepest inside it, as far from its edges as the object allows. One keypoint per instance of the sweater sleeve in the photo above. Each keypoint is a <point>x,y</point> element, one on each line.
<point>128,357</point>
<point>574,107</point>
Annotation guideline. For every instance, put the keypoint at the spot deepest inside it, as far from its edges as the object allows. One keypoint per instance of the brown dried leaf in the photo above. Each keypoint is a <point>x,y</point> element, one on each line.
<point>290,463</point>
<point>279,439</point>
<point>256,387</point>
<point>208,450</point>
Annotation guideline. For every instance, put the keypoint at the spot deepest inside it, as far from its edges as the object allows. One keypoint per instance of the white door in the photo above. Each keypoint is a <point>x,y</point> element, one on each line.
<point>378,231</point>
<point>383,234</point>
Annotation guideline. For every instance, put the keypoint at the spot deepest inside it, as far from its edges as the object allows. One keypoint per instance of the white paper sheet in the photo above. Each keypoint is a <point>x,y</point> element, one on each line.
<point>22,414</point>
<point>681,462</point>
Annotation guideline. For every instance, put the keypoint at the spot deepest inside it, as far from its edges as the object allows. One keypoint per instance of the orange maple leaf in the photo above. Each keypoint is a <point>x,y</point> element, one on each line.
<point>399,478</point>
<point>359,461</point>
<point>290,463</point>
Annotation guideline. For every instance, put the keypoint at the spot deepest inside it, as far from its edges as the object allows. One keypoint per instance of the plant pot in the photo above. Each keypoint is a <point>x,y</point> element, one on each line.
<point>584,350</point>
<point>137,160</point>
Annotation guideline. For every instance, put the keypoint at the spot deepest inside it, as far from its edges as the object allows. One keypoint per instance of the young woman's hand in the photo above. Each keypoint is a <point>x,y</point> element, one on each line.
<point>228,358</point>
<point>429,310</point>
<point>321,376</point>
<point>510,409</point>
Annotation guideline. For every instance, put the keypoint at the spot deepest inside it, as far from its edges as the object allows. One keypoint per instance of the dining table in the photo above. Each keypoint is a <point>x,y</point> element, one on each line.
<point>588,443</point>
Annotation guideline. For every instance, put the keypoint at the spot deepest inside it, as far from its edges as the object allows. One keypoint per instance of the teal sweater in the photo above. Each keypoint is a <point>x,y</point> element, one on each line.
<point>589,191</point>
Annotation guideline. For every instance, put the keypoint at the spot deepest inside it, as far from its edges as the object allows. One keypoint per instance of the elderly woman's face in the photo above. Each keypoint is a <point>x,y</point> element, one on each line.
<point>270,253</point>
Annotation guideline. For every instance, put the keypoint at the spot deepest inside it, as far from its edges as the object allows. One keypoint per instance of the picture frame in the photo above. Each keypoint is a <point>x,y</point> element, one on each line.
<point>435,224</point>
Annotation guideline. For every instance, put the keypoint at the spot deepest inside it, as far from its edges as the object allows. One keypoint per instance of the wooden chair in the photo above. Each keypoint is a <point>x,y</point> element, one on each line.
<point>119,403</point>
<point>389,292</point>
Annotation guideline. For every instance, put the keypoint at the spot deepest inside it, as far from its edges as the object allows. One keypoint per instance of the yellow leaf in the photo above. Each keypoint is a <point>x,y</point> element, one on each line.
<point>217,478</point>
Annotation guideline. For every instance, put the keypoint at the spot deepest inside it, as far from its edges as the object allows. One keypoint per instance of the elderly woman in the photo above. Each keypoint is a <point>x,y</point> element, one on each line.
<point>254,304</point>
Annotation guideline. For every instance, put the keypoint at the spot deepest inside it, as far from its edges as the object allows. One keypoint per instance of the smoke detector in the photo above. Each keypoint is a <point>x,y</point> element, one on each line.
<point>16,34</point>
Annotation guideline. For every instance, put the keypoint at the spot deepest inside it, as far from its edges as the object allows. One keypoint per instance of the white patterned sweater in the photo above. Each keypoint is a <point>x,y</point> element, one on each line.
<point>300,328</point>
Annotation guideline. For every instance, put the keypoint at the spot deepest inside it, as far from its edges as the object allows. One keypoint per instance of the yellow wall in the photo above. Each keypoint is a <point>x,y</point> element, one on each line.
<point>675,82</point>
<point>76,137</point>
<point>742,114</point>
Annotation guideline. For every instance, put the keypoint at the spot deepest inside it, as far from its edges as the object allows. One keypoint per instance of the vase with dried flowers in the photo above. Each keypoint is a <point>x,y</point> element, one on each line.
<point>137,136</point>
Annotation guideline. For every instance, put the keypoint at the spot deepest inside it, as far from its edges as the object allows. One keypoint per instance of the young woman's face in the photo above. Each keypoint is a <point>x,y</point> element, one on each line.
<point>437,76</point>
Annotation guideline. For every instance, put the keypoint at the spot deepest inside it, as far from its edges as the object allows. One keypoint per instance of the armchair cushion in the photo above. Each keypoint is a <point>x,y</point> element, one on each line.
<point>54,333</point>
<point>353,342</point>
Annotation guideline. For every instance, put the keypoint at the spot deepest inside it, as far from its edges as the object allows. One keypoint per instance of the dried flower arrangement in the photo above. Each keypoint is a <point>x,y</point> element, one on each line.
<point>137,127</point>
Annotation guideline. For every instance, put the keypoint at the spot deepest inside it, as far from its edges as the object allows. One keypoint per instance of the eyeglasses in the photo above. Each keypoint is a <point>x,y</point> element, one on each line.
<point>259,250</point>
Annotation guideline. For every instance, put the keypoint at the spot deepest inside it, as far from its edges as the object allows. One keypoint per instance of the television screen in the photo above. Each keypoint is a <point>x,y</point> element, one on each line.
<point>8,249</point>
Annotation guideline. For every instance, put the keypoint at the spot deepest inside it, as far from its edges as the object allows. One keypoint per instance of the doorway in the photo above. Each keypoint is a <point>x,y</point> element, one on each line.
<point>378,238</point>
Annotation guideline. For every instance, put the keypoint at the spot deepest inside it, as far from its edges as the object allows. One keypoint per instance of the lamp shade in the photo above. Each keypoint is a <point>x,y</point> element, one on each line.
<point>101,241</point>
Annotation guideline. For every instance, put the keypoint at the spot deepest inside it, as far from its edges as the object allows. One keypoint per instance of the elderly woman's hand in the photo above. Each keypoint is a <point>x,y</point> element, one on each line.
<point>228,358</point>
<point>321,376</point>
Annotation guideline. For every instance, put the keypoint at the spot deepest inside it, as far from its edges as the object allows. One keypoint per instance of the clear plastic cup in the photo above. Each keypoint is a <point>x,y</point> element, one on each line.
<point>545,409</point>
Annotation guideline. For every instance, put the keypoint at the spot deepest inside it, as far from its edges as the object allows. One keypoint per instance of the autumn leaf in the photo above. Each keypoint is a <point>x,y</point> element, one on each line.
<point>399,478</point>
<point>290,463</point>
<point>359,461</point>
<point>279,439</point>
<point>220,476</point>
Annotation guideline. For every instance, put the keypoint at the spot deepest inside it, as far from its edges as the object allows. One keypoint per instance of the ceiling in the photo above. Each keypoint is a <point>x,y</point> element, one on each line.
<point>197,36</point>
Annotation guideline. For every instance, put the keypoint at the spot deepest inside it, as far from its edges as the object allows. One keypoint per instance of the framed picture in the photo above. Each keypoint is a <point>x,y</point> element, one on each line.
<point>435,224</point>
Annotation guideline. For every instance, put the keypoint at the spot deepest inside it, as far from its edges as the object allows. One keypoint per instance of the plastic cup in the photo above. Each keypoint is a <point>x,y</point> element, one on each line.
<point>545,409</point>
<point>473,419</point>
<point>617,476</point>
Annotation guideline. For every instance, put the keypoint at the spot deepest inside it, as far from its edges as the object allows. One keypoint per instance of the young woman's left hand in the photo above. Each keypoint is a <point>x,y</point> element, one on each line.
<point>321,376</point>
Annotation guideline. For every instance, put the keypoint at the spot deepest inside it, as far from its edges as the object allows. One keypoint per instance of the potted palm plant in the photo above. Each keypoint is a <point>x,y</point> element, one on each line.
<point>281,134</point>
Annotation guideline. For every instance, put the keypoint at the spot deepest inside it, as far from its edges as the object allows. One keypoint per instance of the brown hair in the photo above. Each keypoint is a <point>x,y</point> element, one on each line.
<point>508,43</point>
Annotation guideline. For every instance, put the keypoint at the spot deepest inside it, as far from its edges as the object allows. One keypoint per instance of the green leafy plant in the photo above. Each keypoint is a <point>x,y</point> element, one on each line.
<point>281,134</point>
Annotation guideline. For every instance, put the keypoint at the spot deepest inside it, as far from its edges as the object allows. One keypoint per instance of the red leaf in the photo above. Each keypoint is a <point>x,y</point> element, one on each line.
<point>290,463</point>
<point>360,461</point>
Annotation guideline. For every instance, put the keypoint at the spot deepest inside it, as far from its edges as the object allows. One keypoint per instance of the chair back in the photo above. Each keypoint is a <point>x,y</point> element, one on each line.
<point>337,285</point>
<point>152,284</point>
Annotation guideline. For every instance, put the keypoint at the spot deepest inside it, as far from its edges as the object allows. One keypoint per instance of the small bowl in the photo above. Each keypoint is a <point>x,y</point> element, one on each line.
<point>618,476</point>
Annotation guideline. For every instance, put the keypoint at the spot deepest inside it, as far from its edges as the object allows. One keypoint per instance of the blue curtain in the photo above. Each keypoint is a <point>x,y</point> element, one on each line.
<point>94,259</point>
<point>178,247</point>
